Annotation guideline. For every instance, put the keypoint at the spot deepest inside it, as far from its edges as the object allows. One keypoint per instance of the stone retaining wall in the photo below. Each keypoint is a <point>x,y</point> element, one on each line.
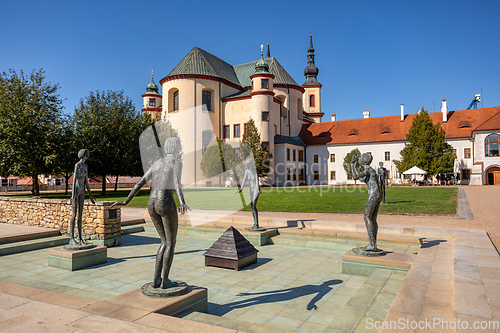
<point>101,224</point>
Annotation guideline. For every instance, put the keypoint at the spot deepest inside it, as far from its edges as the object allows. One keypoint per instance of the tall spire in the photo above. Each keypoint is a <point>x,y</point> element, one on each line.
<point>268,55</point>
<point>311,71</point>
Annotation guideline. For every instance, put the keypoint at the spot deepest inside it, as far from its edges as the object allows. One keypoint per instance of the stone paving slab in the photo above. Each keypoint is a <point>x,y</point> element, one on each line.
<point>14,233</point>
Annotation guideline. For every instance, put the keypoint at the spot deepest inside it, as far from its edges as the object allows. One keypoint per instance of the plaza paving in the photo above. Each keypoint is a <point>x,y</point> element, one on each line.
<point>456,275</point>
<point>292,288</point>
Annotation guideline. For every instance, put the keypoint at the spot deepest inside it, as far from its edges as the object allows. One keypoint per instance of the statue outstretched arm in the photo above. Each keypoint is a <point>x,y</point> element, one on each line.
<point>243,182</point>
<point>135,189</point>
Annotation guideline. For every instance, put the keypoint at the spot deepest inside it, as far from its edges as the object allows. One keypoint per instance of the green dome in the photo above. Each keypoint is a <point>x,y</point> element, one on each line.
<point>152,87</point>
<point>261,66</point>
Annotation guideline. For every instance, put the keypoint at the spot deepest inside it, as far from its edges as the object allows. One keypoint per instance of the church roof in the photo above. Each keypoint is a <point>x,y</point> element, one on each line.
<point>291,140</point>
<point>460,124</point>
<point>200,62</point>
<point>281,76</point>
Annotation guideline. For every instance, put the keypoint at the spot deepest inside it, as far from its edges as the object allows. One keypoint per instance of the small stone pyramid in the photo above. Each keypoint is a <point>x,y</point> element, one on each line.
<point>231,250</point>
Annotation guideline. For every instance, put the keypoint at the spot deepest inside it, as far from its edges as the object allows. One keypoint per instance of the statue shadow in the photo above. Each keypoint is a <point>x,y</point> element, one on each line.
<point>274,296</point>
<point>397,202</point>
<point>134,240</point>
<point>431,243</point>
<point>296,224</point>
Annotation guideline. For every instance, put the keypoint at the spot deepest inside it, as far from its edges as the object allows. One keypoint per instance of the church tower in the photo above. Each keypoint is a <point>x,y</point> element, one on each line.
<point>312,87</point>
<point>151,101</point>
<point>262,100</point>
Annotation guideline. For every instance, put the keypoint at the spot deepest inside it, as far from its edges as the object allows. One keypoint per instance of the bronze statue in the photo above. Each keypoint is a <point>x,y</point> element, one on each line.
<point>80,183</point>
<point>254,191</point>
<point>370,177</point>
<point>382,173</point>
<point>165,177</point>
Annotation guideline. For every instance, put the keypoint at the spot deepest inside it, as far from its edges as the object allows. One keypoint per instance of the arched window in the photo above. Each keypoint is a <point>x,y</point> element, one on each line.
<point>176,100</point>
<point>312,101</point>
<point>206,99</point>
<point>206,137</point>
<point>173,100</point>
<point>491,145</point>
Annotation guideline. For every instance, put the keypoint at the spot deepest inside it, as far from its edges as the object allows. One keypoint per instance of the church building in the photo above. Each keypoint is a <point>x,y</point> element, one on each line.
<point>288,116</point>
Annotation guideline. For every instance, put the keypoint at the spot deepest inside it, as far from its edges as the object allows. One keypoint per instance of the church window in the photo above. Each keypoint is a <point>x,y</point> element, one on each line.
<point>294,175</point>
<point>265,116</point>
<point>491,145</point>
<point>207,99</point>
<point>152,102</point>
<point>466,152</point>
<point>387,155</point>
<point>465,174</point>
<point>333,175</point>
<point>226,132</point>
<point>288,154</point>
<point>294,155</point>
<point>236,130</point>
<point>265,83</point>
<point>316,174</point>
<point>312,101</point>
<point>176,100</point>
<point>288,174</point>
<point>206,137</point>
<point>315,158</point>
<point>332,158</point>
<point>455,153</point>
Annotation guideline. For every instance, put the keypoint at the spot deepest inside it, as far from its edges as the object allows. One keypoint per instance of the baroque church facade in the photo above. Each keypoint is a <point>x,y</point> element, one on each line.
<point>222,98</point>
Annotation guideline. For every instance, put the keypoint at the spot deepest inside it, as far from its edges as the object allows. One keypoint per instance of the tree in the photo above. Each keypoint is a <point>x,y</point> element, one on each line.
<point>348,159</point>
<point>30,130</point>
<point>251,143</point>
<point>426,147</point>
<point>107,124</point>
<point>218,158</point>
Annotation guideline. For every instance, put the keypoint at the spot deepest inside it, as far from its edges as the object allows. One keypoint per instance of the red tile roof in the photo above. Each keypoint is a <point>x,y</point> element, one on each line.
<point>460,124</point>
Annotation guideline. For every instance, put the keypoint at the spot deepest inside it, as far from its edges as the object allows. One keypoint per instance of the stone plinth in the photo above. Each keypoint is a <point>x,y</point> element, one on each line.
<point>363,265</point>
<point>100,223</point>
<point>133,302</point>
<point>78,259</point>
<point>259,238</point>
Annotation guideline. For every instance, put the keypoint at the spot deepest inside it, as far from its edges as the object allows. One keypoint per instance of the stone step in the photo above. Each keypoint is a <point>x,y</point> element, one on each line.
<point>132,229</point>
<point>33,244</point>
<point>27,235</point>
<point>132,222</point>
<point>235,324</point>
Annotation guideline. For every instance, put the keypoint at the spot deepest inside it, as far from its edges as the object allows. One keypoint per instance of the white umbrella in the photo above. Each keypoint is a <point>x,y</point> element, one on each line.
<point>415,171</point>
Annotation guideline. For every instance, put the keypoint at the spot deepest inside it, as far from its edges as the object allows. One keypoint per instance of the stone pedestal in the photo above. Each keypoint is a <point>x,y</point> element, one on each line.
<point>259,238</point>
<point>363,265</point>
<point>77,259</point>
<point>133,304</point>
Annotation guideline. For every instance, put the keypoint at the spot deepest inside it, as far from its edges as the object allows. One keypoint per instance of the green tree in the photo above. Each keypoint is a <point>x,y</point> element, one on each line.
<point>107,124</point>
<point>426,147</point>
<point>30,130</point>
<point>218,158</point>
<point>348,159</point>
<point>251,143</point>
<point>68,153</point>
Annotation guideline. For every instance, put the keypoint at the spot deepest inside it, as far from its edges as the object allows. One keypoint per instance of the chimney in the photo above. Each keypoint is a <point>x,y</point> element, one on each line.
<point>366,114</point>
<point>402,112</point>
<point>444,110</point>
<point>334,117</point>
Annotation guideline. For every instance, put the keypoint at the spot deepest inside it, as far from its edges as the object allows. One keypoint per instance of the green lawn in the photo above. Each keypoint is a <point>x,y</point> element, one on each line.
<point>400,200</point>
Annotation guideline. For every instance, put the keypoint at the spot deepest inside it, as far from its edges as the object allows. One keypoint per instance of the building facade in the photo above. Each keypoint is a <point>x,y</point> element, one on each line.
<point>206,97</point>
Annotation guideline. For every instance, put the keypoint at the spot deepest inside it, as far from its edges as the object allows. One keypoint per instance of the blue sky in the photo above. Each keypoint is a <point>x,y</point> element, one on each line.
<point>372,55</point>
